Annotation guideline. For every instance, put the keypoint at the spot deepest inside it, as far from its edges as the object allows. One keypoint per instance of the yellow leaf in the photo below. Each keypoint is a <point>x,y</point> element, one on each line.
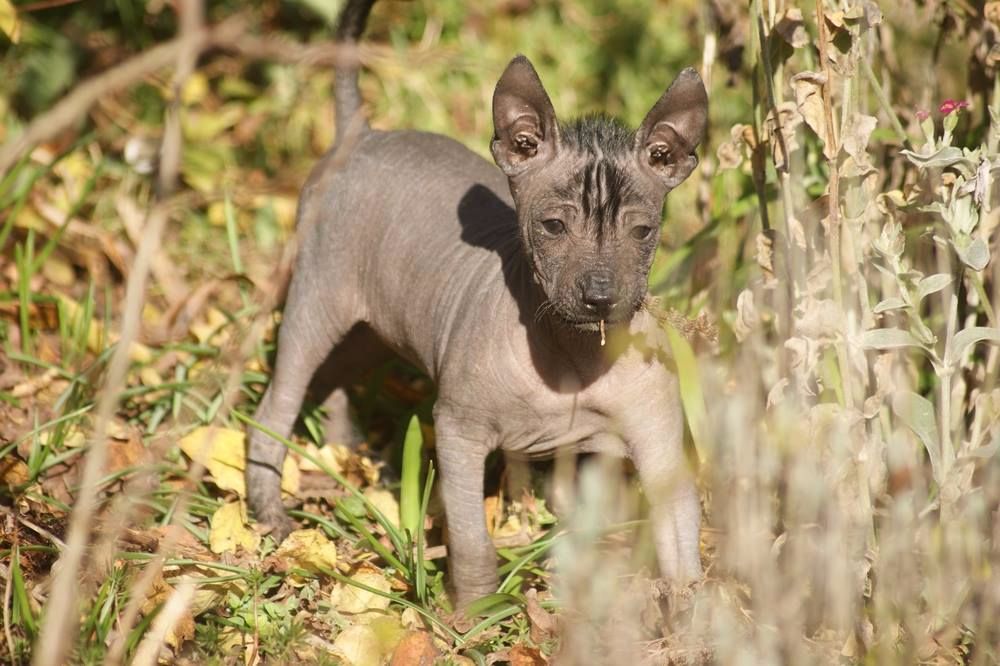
<point>385,502</point>
<point>150,376</point>
<point>13,472</point>
<point>510,528</point>
<point>359,646</point>
<point>283,208</point>
<point>10,25</point>
<point>229,529</point>
<point>212,328</point>
<point>350,599</point>
<point>216,213</point>
<point>58,270</point>
<point>308,549</point>
<point>223,453</point>
<point>195,89</point>
<point>331,455</point>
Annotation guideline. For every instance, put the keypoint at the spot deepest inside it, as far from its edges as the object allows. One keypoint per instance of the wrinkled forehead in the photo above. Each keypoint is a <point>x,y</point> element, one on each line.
<point>600,168</point>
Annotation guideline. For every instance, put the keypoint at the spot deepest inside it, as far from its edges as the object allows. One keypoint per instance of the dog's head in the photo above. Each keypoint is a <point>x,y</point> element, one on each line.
<point>589,194</point>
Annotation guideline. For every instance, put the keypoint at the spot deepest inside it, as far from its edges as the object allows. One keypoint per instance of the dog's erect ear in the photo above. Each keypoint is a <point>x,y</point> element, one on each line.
<point>673,128</point>
<point>525,132</point>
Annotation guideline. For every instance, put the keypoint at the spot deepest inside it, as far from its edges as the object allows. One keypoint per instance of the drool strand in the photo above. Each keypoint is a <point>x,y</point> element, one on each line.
<point>603,338</point>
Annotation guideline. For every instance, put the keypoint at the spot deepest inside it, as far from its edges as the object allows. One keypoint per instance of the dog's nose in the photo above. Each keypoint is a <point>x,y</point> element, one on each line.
<point>598,294</point>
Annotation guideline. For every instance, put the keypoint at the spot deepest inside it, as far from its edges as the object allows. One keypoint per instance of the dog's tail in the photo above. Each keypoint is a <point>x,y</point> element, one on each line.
<point>347,102</point>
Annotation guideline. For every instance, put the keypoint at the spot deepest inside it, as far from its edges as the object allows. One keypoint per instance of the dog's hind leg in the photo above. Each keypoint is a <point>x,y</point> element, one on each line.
<point>307,335</point>
<point>360,351</point>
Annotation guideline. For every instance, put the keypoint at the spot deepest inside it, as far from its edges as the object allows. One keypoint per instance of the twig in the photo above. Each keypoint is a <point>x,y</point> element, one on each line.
<point>833,200</point>
<point>37,529</point>
<point>884,102</point>
<point>8,592</point>
<point>61,615</point>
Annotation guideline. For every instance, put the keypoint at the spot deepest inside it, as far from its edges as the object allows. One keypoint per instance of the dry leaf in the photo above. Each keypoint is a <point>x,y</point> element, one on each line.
<point>416,649</point>
<point>543,623</point>
<point>792,28</point>
<point>307,549</point>
<point>359,646</point>
<point>13,472</point>
<point>732,153</point>
<point>765,258</point>
<point>809,101</point>
<point>857,134</point>
<point>522,655</point>
<point>385,502</point>
<point>229,529</point>
<point>747,318</point>
<point>347,598</point>
<point>223,453</point>
<point>992,12</point>
<point>781,126</point>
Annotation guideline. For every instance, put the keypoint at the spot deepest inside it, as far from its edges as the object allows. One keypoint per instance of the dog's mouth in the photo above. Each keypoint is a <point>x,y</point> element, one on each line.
<point>595,324</point>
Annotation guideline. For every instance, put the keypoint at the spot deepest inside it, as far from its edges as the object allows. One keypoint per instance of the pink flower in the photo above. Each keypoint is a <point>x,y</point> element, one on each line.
<point>923,115</point>
<point>950,105</point>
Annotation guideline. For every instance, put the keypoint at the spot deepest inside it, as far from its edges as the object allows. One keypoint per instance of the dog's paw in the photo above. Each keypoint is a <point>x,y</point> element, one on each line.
<point>276,523</point>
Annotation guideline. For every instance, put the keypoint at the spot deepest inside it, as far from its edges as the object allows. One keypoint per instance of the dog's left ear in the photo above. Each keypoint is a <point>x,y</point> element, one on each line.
<point>673,128</point>
<point>525,131</point>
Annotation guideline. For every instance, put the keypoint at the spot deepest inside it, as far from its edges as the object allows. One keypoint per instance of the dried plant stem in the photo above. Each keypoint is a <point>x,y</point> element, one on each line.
<point>61,616</point>
<point>8,593</point>
<point>785,293</point>
<point>832,148</point>
<point>944,397</point>
<point>883,101</point>
<point>977,282</point>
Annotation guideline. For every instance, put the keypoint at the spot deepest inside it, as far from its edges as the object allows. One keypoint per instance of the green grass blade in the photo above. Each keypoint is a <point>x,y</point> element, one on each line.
<point>22,614</point>
<point>409,492</point>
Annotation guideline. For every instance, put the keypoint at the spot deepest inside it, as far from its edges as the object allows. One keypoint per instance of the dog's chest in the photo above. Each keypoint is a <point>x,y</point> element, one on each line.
<point>537,419</point>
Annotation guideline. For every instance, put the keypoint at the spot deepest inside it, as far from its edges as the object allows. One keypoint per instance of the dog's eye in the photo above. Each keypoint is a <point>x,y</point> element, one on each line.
<point>641,232</point>
<point>553,227</point>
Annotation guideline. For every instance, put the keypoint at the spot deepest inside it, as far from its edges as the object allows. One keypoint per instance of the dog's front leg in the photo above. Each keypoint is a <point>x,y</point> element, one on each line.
<point>657,450</point>
<point>471,556</point>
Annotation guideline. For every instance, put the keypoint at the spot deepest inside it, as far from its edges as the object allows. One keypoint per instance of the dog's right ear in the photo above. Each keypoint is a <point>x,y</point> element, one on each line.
<point>525,131</point>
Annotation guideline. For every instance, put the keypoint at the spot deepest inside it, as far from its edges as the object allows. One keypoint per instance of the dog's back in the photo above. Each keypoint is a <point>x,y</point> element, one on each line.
<point>400,231</point>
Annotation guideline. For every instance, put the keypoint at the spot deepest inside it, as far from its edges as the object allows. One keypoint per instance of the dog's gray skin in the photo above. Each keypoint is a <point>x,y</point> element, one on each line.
<point>495,282</point>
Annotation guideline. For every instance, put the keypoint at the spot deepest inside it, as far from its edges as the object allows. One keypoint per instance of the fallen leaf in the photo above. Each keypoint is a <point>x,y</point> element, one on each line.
<point>126,452</point>
<point>229,529</point>
<point>350,599</point>
<point>308,549</point>
<point>543,623</point>
<point>223,453</point>
<point>59,271</point>
<point>385,502</point>
<point>522,655</point>
<point>359,646</point>
<point>13,472</point>
<point>416,649</point>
